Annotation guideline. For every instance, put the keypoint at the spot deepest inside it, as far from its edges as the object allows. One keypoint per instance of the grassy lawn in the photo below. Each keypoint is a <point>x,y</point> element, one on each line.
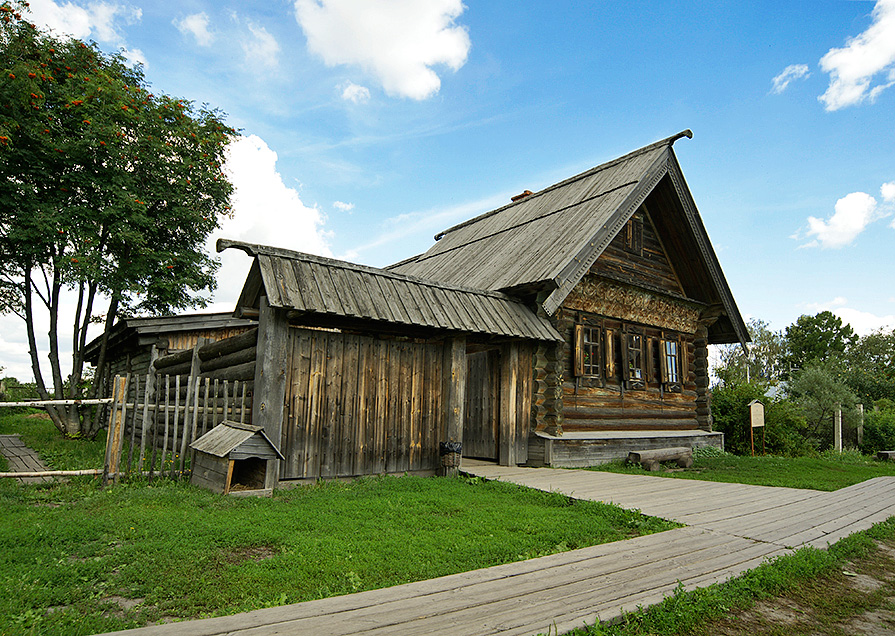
<point>831,471</point>
<point>75,559</point>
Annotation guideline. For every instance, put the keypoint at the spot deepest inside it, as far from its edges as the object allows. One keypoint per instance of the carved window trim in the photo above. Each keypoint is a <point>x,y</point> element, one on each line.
<point>588,351</point>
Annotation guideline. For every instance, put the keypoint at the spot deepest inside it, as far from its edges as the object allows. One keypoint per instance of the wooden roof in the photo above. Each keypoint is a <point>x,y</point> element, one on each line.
<point>314,285</point>
<point>227,436</point>
<point>147,329</point>
<point>547,241</point>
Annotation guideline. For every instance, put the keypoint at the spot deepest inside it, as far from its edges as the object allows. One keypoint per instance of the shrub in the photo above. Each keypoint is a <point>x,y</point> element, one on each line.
<point>879,428</point>
<point>784,422</point>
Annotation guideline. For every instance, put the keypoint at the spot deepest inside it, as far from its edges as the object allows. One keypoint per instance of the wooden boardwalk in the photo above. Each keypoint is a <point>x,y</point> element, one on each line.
<point>22,459</point>
<point>731,528</point>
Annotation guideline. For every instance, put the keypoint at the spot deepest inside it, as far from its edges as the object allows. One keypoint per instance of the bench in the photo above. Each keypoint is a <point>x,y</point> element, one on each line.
<point>885,455</point>
<point>652,459</point>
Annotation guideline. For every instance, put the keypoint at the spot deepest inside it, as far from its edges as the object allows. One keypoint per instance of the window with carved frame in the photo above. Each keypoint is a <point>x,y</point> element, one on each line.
<point>588,358</point>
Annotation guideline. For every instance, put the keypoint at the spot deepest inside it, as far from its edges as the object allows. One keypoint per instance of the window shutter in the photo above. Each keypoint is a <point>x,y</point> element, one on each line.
<point>610,354</point>
<point>579,350</point>
<point>663,356</point>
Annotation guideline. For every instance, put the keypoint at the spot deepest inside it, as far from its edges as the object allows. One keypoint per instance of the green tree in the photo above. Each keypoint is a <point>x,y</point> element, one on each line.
<point>106,189</point>
<point>820,388</point>
<point>816,337</point>
<point>761,363</point>
<point>871,367</point>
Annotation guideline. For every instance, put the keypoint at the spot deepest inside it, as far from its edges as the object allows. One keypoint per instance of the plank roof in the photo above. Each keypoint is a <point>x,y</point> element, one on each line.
<point>547,241</point>
<point>315,285</point>
<point>143,327</point>
<point>227,436</point>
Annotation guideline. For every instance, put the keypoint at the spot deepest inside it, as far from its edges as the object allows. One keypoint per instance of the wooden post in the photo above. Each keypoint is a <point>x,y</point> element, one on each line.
<point>860,425</point>
<point>509,379</point>
<point>454,393</point>
<point>837,430</point>
<point>269,401</point>
<point>113,435</point>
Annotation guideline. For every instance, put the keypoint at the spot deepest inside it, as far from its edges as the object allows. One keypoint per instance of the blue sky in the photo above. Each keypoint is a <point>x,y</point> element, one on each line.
<point>370,125</point>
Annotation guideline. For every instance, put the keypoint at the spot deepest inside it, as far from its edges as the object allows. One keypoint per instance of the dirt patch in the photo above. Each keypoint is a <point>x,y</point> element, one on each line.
<point>121,605</point>
<point>235,556</point>
<point>859,599</point>
<point>38,416</point>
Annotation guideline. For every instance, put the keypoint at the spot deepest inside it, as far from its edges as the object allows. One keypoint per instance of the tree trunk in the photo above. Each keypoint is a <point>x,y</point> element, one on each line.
<point>32,351</point>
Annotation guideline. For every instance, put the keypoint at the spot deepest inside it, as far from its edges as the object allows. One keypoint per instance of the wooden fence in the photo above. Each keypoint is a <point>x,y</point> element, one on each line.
<point>151,435</point>
<point>154,418</point>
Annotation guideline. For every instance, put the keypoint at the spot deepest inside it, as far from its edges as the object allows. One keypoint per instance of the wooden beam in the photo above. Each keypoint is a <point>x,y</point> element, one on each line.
<point>509,380</point>
<point>269,401</point>
<point>454,389</point>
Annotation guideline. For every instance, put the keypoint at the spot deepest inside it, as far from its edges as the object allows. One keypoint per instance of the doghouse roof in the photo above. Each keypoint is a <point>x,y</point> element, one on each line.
<point>228,436</point>
<point>310,284</point>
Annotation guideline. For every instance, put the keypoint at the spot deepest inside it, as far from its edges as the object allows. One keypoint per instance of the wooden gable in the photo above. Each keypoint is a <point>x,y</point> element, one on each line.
<point>637,256</point>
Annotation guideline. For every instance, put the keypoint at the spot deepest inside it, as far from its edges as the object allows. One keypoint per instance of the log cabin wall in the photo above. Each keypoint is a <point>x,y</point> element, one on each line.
<point>631,363</point>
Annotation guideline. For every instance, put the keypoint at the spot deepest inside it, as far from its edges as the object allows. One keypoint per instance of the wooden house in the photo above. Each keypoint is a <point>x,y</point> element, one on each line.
<point>618,260</point>
<point>568,327</point>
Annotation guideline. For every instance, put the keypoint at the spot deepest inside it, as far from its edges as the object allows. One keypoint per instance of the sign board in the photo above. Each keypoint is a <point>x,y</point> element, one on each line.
<point>756,414</point>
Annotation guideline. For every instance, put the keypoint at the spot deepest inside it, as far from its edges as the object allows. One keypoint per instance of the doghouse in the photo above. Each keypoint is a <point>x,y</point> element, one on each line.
<point>232,457</point>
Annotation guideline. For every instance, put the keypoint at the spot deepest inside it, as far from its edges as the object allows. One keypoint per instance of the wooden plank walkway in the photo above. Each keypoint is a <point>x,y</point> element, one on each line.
<point>731,528</point>
<point>22,459</point>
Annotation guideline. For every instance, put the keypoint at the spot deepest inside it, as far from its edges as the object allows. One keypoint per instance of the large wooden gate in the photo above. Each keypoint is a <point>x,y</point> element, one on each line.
<point>358,405</point>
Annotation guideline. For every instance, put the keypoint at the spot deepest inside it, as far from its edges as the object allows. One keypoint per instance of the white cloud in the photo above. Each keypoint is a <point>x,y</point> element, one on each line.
<point>887,190</point>
<point>266,211</point>
<point>196,25</point>
<point>790,73</point>
<point>356,94</point>
<point>863,322</point>
<point>853,68</point>
<point>134,56</point>
<point>261,48</point>
<point>395,41</point>
<point>854,212</point>
<point>342,206</point>
<point>101,21</point>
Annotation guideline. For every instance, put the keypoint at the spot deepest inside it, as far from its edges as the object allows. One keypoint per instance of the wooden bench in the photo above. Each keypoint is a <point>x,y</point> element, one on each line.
<point>652,459</point>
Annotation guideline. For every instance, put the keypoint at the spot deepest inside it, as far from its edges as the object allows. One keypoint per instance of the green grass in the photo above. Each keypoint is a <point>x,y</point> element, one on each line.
<point>830,471</point>
<point>694,612</point>
<point>70,553</point>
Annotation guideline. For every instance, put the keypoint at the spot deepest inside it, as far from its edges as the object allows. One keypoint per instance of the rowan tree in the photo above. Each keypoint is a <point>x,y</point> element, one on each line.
<point>106,189</point>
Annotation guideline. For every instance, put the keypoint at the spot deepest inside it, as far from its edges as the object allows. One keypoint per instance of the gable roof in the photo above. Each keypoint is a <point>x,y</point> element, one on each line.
<point>547,241</point>
<point>323,286</point>
<point>227,436</point>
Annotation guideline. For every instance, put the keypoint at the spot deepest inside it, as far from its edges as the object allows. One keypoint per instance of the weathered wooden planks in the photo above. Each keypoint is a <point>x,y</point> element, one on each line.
<point>361,405</point>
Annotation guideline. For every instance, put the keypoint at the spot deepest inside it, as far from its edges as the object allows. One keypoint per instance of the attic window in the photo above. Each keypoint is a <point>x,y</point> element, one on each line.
<point>634,235</point>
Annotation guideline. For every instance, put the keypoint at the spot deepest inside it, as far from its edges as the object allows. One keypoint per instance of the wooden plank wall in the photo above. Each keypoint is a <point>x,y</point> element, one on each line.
<point>358,405</point>
<point>480,430</point>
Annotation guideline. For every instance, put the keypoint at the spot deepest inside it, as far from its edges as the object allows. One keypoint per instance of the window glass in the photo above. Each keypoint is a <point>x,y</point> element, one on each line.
<point>635,356</point>
<point>672,364</point>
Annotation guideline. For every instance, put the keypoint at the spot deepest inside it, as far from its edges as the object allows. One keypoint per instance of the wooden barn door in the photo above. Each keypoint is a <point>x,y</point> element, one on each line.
<point>481,434</point>
<point>359,405</point>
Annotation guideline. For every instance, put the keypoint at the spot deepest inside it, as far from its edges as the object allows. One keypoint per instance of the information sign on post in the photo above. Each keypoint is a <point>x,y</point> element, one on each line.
<point>756,420</point>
